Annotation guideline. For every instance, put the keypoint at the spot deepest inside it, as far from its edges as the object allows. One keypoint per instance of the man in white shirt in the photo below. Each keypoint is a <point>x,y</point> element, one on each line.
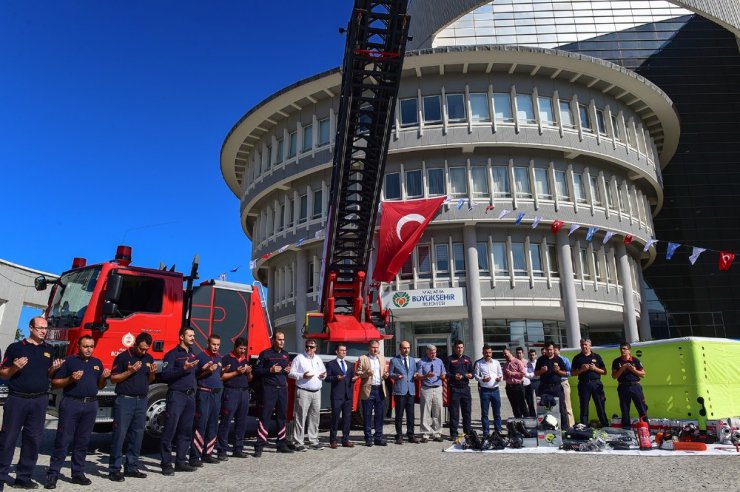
<point>309,372</point>
<point>487,371</point>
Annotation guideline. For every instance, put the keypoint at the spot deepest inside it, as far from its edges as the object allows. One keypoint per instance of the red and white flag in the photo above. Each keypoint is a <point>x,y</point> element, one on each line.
<point>725,260</point>
<point>401,227</point>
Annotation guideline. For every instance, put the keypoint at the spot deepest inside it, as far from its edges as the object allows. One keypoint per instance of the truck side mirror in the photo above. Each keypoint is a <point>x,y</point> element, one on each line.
<point>113,289</point>
<point>109,309</point>
<point>40,283</point>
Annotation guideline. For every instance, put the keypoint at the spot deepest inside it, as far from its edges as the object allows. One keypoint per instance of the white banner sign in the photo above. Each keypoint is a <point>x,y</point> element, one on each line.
<point>423,298</point>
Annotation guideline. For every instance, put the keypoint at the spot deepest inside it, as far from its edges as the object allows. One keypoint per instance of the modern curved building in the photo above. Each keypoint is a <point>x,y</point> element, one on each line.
<point>523,113</point>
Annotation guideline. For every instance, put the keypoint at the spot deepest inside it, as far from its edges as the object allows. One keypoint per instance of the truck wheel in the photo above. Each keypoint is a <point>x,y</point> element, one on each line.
<point>157,404</point>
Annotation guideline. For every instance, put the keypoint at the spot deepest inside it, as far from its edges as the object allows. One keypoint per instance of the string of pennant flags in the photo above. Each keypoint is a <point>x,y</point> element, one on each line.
<point>725,257</point>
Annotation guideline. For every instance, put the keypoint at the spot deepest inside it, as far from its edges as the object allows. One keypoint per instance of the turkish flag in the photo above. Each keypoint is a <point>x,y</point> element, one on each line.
<point>725,260</point>
<point>556,226</point>
<point>628,238</point>
<point>401,227</point>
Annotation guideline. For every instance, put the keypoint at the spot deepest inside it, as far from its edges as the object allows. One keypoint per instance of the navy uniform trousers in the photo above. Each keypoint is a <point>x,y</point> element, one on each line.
<point>592,389</point>
<point>631,393</point>
<point>556,390</point>
<point>273,397</point>
<point>28,414</point>
<point>207,408</point>
<point>234,406</point>
<point>76,422</point>
<point>178,426</point>
<point>129,420</point>
<point>460,399</point>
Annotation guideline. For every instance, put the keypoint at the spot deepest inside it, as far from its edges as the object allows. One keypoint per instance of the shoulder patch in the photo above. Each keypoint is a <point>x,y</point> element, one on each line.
<point>47,354</point>
<point>164,364</point>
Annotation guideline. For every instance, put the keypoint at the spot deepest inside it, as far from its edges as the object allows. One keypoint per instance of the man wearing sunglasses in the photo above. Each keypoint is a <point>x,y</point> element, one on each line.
<point>309,372</point>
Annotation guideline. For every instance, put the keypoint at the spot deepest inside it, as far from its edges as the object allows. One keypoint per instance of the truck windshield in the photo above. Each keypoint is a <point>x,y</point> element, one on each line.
<point>72,296</point>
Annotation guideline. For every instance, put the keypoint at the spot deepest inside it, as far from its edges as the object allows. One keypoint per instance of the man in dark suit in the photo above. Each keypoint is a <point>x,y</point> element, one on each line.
<point>341,375</point>
<point>402,373</point>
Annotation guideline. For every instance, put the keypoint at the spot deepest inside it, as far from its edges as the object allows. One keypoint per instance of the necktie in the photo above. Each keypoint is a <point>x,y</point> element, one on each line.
<point>344,370</point>
<point>406,363</point>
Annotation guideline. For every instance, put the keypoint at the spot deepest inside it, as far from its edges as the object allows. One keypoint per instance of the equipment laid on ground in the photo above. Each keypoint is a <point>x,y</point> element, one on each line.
<point>548,422</point>
<point>643,435</point>
<point>618,438</point>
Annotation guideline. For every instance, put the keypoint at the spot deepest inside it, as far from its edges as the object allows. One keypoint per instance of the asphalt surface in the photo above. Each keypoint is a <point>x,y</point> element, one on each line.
<point>411,467</point>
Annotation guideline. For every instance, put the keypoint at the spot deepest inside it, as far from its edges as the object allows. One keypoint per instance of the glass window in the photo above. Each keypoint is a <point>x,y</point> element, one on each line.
<point>436,183</point>
<point>281,219</point>
<point>425,262</point>
<point>292,144</point>
<point>407,270</point>
<point>520,264</point>
<point>585,117</point>
<point>432,109</point>
<point>307,138</point>
<point>268,156</point>
<point>502,107</point>
<point>500,260</point>
<point>309,275</point>
<point>561,186</point>
<point>479,175</point>
<point>409,112</point>
<point>483,267</point>
<point>524,109</point>
<point>615,125</point>
<point>609,196</point>
<point>501,182</point>
<point>455,107</point>
<point>542,184</point>
<point>479,107</point>
<point>597,267</point>
<point>291,213</point>
<point>552,258</point>
<point>392,188</point>
<point>584,265</point>
<point>317,197</point>
<point>442,259</point>
<point>631,137</point>
<point>138,295</point>
<point>536,259</point>
<point>547,114</point>
<point>458,182</point>
<point>580,190</point>
<point>566,116</point>
<point>279,151</point>
<point>303,215</point>
<point>521,180</point>
<point>600,122</point>
<point>610,270</point>
<point>458,256</point>
<point>324,129</point>
<point>413,184</point>
<point>595,190</point>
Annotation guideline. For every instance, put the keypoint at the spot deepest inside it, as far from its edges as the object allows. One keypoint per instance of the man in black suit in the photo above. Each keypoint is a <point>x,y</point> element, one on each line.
<point>341,375</point>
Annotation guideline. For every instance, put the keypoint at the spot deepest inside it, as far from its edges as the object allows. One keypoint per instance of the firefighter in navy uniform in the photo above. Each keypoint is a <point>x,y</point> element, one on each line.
<point>207,403</point>
<point>81,376</point>
<point>27,365</point>
<point>237,373</point>
<point>178,371</point>
<point>628,371</point>
<point>589,367</point>
<point>273,366</point>
<point>459,374</point>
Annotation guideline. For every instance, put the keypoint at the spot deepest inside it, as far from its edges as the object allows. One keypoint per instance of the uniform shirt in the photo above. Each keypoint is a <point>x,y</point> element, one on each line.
<point>627,376</point>
<point>426,365</point>
<point>213,380</point>
<point>34,377</point>
<point>584,360</point>
<point>484,370</point>
<point>240,380</point>
<point>514,371</point>
<point>550,377</point>
<point>459,365</point>
<point>302,364</point>
<point>173,369</point>
<point>269,358</point>
<point>137,384</point>
<point>91,369</point>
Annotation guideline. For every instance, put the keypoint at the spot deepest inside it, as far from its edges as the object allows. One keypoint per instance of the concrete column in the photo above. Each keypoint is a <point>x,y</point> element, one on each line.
<point>568,290</point>
<point>630,322</point>
<point>271,289</point>
<point>646,332</point>
<point>10,313</point>
<point>475,311</point>
<point>301,287</point>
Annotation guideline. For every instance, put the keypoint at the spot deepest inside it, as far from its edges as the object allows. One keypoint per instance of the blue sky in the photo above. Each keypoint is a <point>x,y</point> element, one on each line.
<point>112,116</point>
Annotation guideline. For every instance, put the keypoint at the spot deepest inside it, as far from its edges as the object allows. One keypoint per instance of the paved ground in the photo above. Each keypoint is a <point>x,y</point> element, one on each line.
<point>412,467</point>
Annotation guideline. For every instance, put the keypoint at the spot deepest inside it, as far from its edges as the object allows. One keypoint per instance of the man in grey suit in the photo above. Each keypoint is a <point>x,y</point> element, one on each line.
<point>402,373</point>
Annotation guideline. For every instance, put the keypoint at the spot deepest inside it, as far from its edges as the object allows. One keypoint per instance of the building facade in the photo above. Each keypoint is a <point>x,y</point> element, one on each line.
<point>519,134</point>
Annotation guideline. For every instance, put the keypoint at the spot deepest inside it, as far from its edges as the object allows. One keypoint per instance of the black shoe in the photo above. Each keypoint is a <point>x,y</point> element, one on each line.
<point>116,477</point>
<point>286,450</point>
<point>27,484</point>
<point>51,483</point>
<point>399,440</point>
<point>222,457</point>
<point>184,467</point>
<point>81,480</point>
<point>257,453</point>
<point>438,439</point>
<point>134,474</point>
<point>369,444</point>
<point>238,454</point>
<point>381,443</point>
<point>298,449</point>
<point>195,464</point>
<point>210,460</point>
<point>168,470</point>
